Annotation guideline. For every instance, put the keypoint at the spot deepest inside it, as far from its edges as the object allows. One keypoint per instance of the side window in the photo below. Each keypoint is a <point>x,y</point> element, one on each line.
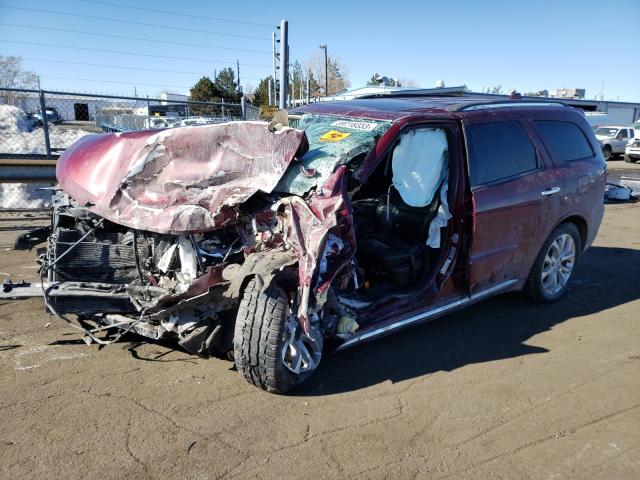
<point>631,133</point>
<point>498,150</point>
<point>565,140</point>
<point>623,133</point>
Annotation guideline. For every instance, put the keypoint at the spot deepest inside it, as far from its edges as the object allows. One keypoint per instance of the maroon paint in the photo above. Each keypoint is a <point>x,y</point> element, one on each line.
<point>177,181</point>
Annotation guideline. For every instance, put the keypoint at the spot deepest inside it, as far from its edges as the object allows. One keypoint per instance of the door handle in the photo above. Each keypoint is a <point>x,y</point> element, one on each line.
<point>551,191</point>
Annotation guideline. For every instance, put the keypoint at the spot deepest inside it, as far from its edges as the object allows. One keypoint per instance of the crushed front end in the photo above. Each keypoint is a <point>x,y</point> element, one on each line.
<point>156,285</point>
<point>155,232</point>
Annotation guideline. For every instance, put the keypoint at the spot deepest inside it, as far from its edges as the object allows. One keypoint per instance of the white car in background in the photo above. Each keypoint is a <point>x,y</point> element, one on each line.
<point>614,139</point>
<point>190,121</point>
<point>632,150</point>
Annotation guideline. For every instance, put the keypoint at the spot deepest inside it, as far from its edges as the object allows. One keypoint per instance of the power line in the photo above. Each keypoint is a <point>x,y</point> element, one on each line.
<point>131,22</point>
<point>120,52</point>
<point>127,37</point>
<point>120,67</point>
<point>179,14</point>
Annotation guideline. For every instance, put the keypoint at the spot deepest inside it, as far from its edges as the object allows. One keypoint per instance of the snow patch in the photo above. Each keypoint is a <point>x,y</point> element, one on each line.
<point>18,133</point>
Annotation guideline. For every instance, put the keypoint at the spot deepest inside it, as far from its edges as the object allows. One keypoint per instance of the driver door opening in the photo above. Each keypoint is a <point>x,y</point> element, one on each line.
<point>401,219</point>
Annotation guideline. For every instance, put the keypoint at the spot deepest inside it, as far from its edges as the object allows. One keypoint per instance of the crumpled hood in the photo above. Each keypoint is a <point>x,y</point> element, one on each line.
<point>180,180</point>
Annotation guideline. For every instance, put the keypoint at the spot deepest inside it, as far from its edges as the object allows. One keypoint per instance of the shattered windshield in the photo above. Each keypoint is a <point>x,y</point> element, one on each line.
<point>333,141</point>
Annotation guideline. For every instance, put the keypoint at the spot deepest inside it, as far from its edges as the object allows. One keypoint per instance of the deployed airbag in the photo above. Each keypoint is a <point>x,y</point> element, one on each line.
<point>419,165</point>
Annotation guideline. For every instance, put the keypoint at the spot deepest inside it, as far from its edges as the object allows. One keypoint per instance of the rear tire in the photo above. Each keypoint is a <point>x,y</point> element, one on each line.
<point>261,338</point>
<point>607,152</point>
<point>552,271</point>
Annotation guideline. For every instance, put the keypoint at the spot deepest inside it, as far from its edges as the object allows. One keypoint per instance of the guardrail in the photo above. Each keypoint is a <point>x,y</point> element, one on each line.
<point>27,170</point>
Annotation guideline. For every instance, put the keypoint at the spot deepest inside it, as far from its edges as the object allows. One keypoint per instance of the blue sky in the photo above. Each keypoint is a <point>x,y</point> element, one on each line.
<point>520,45</point>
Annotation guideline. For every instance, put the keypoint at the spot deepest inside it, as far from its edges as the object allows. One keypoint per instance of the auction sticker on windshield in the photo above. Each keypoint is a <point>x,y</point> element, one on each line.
<point>334,136</point>
<point>365,126</point>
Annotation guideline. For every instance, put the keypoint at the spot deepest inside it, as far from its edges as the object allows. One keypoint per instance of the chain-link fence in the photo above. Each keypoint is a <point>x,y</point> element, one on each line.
<point>38,125</point>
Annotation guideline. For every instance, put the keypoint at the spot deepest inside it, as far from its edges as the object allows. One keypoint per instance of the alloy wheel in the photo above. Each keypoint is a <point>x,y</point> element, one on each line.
<point>301,353</point>
<point>558,264</point>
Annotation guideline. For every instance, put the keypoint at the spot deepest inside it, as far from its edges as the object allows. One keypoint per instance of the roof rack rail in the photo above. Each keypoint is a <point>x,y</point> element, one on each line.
<point>418,92</point>
<point>466,107</point>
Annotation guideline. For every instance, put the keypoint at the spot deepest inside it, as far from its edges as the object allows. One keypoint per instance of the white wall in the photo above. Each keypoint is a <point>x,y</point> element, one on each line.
<point>621,114</point>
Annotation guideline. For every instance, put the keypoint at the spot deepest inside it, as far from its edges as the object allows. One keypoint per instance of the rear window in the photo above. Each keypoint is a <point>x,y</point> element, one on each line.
<point>499,150</point>
<point>565,140</point>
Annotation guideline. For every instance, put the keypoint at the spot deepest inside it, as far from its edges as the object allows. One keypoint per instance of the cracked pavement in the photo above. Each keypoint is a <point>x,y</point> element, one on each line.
<point>504,389</point>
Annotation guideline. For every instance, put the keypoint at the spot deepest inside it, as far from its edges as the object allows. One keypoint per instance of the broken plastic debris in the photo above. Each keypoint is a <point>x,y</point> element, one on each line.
<point>617,192</point>
<point>188,258</point>
<point>347,324</point>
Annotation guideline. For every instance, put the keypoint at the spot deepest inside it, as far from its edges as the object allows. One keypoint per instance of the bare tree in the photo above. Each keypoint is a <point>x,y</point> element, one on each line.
<point>12,75</point>
<point>338,73</point>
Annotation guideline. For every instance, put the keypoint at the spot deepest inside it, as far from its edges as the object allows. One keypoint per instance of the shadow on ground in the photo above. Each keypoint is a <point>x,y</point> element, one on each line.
<point>492,330</point>
<point>495,329</point>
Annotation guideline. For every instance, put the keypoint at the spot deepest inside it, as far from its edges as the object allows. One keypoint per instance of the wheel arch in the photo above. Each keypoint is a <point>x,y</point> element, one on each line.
<point>581,224</point>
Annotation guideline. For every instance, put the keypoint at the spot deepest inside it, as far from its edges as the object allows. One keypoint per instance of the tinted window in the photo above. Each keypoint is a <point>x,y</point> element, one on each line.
<point>565,140</point>
<point>498,150</point>
<point>623,133</point>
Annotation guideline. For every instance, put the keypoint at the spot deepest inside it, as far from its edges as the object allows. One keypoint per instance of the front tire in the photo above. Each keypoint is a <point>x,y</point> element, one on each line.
<point>628,159</point>
<point>270,349</point>
<point>549,278</point>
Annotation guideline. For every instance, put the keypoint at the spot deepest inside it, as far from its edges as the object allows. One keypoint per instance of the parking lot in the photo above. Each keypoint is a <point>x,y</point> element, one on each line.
<point>504,389</point>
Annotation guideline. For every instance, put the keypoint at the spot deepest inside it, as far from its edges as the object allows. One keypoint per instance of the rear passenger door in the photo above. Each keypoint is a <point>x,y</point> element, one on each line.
<point>579,163</point>
<point>514,192</point>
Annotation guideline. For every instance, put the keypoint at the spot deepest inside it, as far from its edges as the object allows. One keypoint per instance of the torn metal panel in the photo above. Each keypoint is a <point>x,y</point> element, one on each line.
<point>307,226</point>
<point>177,181</point>
<point>260,264</point>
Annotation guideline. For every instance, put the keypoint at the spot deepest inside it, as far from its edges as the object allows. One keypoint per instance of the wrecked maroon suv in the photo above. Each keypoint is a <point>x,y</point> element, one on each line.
<point>268,243</point>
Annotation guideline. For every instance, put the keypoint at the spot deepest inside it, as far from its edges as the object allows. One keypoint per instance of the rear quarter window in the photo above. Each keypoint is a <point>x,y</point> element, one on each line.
<point>565,140</point>
<point>498,150</point>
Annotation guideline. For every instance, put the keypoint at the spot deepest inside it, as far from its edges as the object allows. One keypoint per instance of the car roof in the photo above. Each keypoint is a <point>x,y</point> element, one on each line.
<point>392,107</point>
<point>613,126</point>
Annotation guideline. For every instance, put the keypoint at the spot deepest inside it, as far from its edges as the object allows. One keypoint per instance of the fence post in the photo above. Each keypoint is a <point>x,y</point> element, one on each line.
<point>223,108</point>
<point>45,124</point>
<point>243,104</point>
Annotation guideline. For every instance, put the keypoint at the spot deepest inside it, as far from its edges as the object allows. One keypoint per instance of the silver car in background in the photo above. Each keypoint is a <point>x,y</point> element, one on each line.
<point>614,139</point>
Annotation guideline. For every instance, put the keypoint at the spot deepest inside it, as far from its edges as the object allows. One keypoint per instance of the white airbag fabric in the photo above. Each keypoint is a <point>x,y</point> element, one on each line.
<point>418,165</point>
<point>441,219</point>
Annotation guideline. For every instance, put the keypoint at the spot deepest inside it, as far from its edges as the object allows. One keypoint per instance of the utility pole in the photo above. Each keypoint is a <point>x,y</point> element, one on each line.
<point>238,70</point>
<point>326,70</point>
<point>284,63</point>
<point>274,58</point>
<point>309,87</point>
